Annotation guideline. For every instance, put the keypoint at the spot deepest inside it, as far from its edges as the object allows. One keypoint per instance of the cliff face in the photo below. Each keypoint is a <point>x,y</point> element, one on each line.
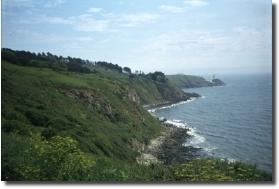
<point>154,92</point>
<point>133,96</point>
<point>217,82</point>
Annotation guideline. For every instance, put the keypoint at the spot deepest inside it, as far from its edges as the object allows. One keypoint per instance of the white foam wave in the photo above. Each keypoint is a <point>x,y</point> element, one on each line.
<point>209,149</point>
<point>172,105</point>
<point>196,141</point>
<point>177,123</point>
<point>230,160</point>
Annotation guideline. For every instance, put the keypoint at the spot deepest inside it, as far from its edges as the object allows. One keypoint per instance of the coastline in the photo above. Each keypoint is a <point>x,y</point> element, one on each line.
<point>164,105</point>
<point>168,147</point>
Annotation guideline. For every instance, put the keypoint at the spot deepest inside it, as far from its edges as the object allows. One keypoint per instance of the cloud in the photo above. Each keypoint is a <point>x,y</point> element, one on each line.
<point>183,41</point>
<point>87,23</point>
<point>196,3</point>
<point>39,19</point>
<point>94,10</point>
<point>171,9</point>
<point>112,22</point>
<point>250,39</point>
<point>53,3</point>
<point>132,20</point>
<point>55,20</point>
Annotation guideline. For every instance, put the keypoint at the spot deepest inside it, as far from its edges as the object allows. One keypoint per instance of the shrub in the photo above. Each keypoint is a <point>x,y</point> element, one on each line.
<point>48,133</point>
<point>56,159</point>
<point>10,126</point>
<point>58,123</point>
<point>37,118</point>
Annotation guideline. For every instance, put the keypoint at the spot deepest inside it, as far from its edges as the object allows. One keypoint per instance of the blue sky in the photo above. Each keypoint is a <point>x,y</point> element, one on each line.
<point>174,36</point>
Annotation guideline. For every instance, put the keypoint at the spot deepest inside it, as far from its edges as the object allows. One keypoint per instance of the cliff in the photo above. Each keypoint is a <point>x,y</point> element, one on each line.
<point>189,81</point>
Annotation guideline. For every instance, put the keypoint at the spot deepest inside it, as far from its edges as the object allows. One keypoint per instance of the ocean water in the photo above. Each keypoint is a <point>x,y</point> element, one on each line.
<point>232,122</point>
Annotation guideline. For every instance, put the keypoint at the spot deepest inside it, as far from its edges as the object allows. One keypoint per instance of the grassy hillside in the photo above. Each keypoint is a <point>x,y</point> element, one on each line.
<point>89,124</point>
<point>190,81</point>
<point>91,109</point>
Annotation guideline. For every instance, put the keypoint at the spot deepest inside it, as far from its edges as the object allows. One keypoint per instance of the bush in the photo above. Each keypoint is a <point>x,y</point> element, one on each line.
<point>37,118</point>
<point>59,123</point>
<point>48,133</point>
<point>212,170</point>
<point>9,56</point>
<point>10,126</point>
<point>56,159</point>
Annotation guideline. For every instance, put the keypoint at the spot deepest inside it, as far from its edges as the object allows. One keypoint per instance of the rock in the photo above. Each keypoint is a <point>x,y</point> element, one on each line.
<point>147,159</point>
<point>217,82</point>
<point>133,96</point>
<point>93,101</point>
<point>168,147</point>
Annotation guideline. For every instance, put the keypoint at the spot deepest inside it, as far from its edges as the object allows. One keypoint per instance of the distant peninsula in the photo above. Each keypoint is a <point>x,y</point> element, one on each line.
<point>191,81</point>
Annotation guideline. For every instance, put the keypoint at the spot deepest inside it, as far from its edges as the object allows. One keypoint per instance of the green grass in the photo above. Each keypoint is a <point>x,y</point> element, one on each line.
<point>188,81</point>
<point>34,101</point>
<point>59,125</point>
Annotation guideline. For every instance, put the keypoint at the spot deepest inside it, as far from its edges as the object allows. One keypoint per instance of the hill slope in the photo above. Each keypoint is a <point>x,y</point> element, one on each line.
<point>95,111</point>
<point>89,125</point>
<point>190,81</point>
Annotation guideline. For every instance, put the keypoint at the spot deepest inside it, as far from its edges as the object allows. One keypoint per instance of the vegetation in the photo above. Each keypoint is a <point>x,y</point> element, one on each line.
<point>60,122</point>
<point>190,81</point>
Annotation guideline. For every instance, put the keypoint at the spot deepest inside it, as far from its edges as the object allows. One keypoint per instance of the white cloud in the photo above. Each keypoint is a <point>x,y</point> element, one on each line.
<point>91,25</point>
<point>38,19</point>
<point>185,41</point>
<point>196,2</point>
<point>54,3</point>
<point>106,22</point>
<point>251,40</point>
<point>171,9</point>
<point>31,5</point>
<point>132,20</point>
<point>55,20</point>
<point>94,10</point>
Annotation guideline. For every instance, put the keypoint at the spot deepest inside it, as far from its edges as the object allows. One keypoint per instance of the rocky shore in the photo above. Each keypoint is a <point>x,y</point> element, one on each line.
<point>168,147</point>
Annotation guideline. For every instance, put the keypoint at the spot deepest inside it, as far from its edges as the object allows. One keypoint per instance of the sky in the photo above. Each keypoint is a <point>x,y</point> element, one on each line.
<point>174,36</point>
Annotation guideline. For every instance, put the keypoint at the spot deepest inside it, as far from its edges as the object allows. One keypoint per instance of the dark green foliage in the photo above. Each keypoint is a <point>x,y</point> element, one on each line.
<point>37,118</point>
<point>9,55</point>
<point>127,70</point>
<point>209,170</point>
<point>158,76</point>
<point>77,65</point>
<point>48,133</point>
<point>43,60</point>
<point>109,66</point>
<point>15,126</point>
<point>37,159</point>
<point>59,125</point>
<point>41,101</point>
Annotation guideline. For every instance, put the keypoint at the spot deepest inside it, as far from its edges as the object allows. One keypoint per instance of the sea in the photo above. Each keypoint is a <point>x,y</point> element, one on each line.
<point>232,122</point>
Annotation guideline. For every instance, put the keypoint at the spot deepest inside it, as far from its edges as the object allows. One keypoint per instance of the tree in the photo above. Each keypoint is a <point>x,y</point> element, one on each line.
<point>157,76</point>
<point>127,70</point>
